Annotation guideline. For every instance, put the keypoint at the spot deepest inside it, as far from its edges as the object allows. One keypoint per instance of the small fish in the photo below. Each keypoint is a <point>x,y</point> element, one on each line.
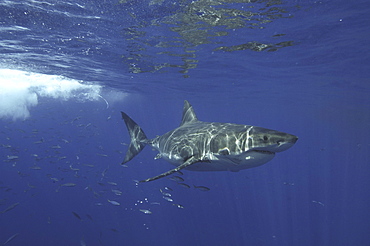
<point>89,216</point>
<point>168,188</point>
<point>82,241</point>
<point>112,183</point>
<point>320,203</point>
<point>12,157</point>
<point>76,215</point>
<point>167,198</point>
<point>23,174</point>
<point>63,169</point>
<point>176,178</point>
<point>35,168</point>
<point>104,172</point>
<point>202,188</point>
<point>56,147</point>
<point>178,205</point>
<point>68,184</point>
<point>184,185</point>
<point>77,118</point>
<point>11,238</point>
<point>73,169</point>
<point>145,211</point>
<point>165,193</point>
<point>9,208</point>
<point>104,155</point>
<point>114,203</point>
<point>88,165</point>
<point>65,141</point>
<point>117,192</point>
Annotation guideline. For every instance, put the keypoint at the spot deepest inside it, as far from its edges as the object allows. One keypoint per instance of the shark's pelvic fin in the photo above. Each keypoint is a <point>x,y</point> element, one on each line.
<point>187,163</point>
<point>138,138</point>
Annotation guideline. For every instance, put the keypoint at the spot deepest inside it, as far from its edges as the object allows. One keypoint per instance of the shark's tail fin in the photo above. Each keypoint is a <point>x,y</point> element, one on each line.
<point>138,138</point>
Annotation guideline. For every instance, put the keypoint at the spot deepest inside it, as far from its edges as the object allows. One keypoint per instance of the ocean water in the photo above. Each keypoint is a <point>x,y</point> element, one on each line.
<point>67,69</point>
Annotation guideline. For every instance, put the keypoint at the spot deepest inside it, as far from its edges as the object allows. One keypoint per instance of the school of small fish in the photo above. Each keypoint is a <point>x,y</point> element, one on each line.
<point>67,174</point>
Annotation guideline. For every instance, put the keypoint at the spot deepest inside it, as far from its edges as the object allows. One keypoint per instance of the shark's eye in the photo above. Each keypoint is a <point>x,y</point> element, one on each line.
<point>265,138</point>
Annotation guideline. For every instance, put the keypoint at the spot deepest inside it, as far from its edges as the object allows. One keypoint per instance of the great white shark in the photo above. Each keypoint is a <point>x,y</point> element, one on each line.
<point>209,146</point>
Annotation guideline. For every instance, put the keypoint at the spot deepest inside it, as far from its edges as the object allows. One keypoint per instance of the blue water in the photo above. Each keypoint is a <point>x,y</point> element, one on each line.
<point>67,69</point>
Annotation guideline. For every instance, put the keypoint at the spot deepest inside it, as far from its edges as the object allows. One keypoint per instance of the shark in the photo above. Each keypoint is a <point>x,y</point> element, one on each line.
<point>208,146</point>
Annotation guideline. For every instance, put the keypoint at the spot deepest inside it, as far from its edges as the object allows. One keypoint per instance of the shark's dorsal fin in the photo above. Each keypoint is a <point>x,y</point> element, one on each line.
<point>188,114</point>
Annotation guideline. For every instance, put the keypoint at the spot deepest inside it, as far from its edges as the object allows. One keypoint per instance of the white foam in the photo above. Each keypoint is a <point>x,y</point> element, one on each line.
<point>20,90</point>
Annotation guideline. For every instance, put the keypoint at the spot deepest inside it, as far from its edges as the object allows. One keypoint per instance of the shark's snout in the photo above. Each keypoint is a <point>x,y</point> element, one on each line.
<point>285,143</point>
<point>271,140</point>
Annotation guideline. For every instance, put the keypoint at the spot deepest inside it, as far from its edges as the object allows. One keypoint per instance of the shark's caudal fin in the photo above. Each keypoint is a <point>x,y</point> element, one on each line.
<point>138,138</point>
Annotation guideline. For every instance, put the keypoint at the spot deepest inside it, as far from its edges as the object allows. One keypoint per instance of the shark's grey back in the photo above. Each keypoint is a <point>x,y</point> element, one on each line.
<point>202,140</point>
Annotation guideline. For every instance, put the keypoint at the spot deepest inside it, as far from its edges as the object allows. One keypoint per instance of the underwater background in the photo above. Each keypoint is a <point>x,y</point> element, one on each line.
<point>67,69</point>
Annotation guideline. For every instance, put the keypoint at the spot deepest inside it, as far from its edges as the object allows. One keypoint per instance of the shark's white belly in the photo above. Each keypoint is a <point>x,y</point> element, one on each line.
<point>232,163</point>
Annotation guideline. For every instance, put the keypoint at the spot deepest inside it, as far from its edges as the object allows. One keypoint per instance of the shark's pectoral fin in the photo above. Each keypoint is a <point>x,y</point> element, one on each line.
<point>187,163</point>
